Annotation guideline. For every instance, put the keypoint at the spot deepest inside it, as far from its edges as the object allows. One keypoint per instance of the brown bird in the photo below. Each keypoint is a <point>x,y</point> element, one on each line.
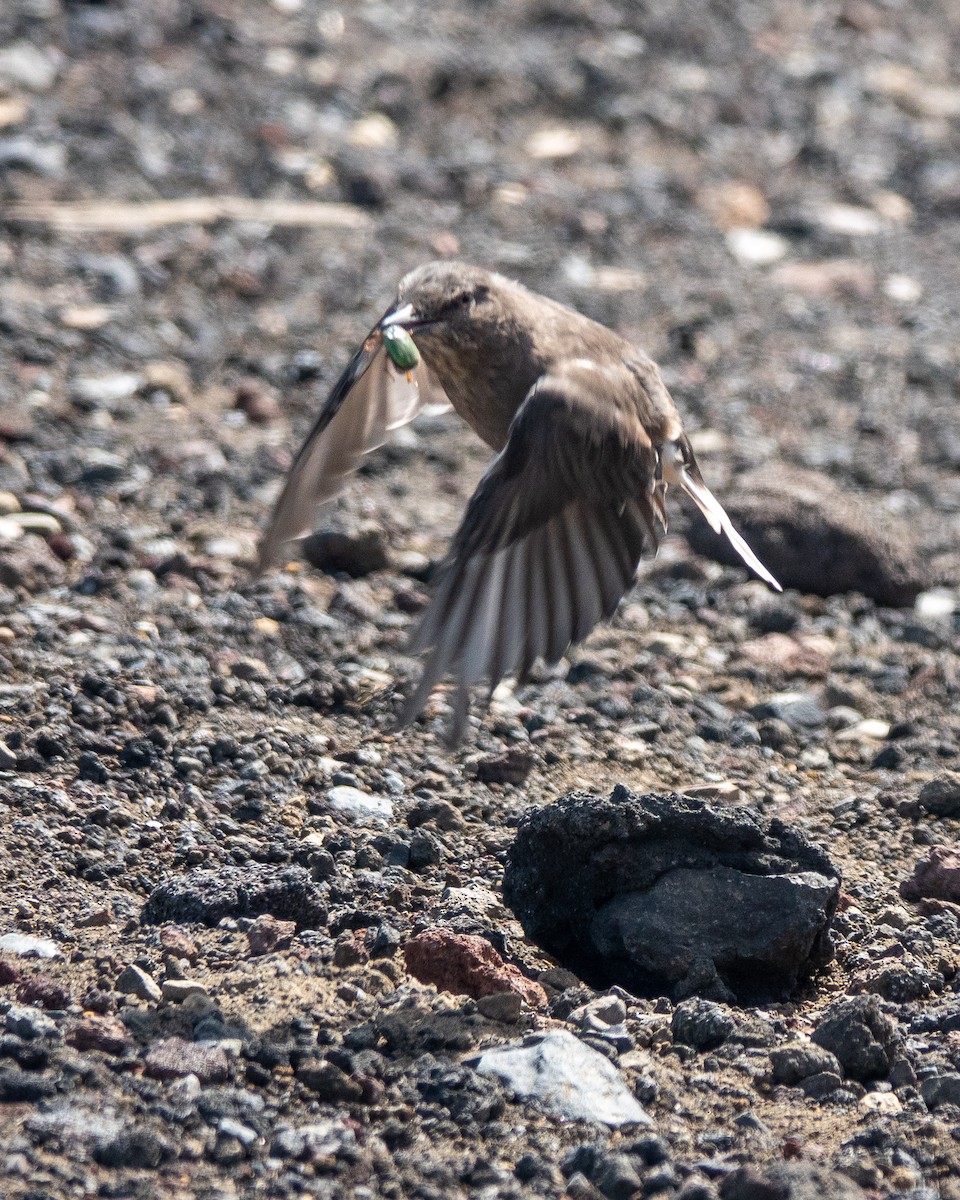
<point>587,440</point>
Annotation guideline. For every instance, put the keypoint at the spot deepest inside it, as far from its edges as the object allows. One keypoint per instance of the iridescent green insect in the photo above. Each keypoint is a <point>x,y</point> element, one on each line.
<point>401,348</point>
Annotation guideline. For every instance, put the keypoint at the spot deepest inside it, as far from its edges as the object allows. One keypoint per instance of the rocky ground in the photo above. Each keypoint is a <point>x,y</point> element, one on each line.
<point>767,198</point>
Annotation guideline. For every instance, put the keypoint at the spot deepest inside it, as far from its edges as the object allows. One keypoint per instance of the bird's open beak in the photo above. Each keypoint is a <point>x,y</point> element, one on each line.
<point>407,318</point>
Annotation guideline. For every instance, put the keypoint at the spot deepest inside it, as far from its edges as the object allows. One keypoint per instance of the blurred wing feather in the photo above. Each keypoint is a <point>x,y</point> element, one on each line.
<point>550,541</point>
<point>369,402</point>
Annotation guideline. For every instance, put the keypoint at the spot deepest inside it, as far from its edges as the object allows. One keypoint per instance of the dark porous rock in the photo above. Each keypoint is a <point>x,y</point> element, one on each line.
<point>206,897</point>
<point>701,1024</point>
<point>24,1087</point>
<point>425,851</point>
<point>135,1147</point>
<point>941,796</point>
<point>905,981</point>
<point>468,1096</point>
<point>941,1089</point>
<point>800,1060</point>
<point>651,1149</point>
<point>821,1085</point>
<point>31,1055</point>
<point>863,1038</point>
<point>355,552</point>
<point>413,1031</point>
<point>669,893</point>
<point>615,1176</point>
<point>329,1082</point>
<point>789,1181</point>
<point>662,1180</point>
<point>696,1187</point>
<point>816,537</point>
<point>946,1018</point>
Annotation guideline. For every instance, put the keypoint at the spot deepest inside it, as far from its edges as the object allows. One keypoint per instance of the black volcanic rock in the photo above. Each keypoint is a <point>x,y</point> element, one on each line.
<point>665,893</point>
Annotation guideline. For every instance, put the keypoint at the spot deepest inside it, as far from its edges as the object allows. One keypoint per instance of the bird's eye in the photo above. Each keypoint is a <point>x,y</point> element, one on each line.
<point>462,299</point>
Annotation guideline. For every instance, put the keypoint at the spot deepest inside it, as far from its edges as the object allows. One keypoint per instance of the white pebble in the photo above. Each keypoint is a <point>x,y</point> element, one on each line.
<point>354,805</point>
<point>849,219</point>
<point>902,288</point>
<point>756,247</point>
<point>938,602</point>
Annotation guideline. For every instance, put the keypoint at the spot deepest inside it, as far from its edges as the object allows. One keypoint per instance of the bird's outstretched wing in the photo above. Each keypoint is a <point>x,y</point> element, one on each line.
<point>551,539</point>
<point>370,400</point>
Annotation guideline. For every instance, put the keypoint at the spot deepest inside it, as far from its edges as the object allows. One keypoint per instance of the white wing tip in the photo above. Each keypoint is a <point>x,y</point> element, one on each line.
<point>676,471</point>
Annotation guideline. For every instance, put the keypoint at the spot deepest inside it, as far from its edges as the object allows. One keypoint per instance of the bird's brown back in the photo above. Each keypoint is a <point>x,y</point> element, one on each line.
<point>489,366</point>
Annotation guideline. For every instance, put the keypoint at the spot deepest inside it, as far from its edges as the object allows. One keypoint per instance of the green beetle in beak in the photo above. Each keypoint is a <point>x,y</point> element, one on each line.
<point>401,348</point>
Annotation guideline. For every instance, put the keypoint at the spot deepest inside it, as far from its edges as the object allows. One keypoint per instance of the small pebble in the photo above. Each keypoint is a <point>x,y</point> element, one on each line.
<point>756,247</point>
<point>501,1006</point>
<point>176,991</point>
<point>174,1058</point>
<point>134,981</point>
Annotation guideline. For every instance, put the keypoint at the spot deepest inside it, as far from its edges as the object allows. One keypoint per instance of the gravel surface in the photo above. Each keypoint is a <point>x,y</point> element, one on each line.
<point>216,857</point>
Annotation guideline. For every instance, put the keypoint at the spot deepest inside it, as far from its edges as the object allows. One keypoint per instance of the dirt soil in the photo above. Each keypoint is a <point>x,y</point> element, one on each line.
<point>767,199</point>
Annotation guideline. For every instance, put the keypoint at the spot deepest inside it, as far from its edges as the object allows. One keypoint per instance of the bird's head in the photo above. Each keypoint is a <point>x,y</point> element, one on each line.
<point>443,300</point>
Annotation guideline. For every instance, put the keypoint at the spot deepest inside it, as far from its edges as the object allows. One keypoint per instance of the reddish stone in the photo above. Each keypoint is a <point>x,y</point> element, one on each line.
<point>936,875</point>
<point>45,991</point>
<point>254,399</point>
<point>350,948</point>
<point>99,1033</point>
<point>63,546</point>
<point>96,918</point>
<point>8,973</point>
<point>467,965</point>
<point>267,934</point>
<point>179,943</point>
<point>174,1058</point>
